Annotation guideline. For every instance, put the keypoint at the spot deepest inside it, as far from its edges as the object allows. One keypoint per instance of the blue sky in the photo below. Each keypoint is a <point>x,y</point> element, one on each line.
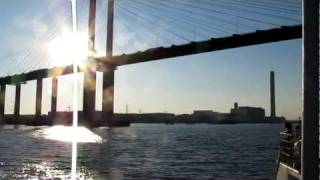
<point>207,81</point>
<point>215,81</point>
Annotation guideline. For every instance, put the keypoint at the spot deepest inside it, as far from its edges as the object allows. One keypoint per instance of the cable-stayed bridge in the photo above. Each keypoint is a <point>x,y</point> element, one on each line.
<point>142,25</point>
<point>139,31</point>
<point>125,32</point>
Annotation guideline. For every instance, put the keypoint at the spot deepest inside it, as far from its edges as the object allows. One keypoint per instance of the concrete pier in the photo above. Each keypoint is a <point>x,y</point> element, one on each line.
<point>38,99</point>
<point>89,96</point>
<point>2,101</point>
<point>108,93</point>
<point>17,101</point>
<point>54,96</point>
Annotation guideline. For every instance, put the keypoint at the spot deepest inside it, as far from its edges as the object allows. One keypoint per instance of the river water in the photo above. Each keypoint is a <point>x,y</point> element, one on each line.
<point>145,151</point>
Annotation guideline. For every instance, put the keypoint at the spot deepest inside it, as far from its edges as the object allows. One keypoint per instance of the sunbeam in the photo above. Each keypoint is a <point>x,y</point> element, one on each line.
<point>75,94</point>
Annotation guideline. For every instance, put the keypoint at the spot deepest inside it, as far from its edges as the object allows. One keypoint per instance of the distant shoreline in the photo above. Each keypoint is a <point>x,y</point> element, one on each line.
<point>65,118</point>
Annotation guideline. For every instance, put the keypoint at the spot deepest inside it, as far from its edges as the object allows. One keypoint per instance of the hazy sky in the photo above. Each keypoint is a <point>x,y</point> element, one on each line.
<point>207,81</point>
<point>215,81</point>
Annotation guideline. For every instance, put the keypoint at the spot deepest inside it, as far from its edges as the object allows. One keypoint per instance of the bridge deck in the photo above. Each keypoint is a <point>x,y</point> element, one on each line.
<point>214,44</point>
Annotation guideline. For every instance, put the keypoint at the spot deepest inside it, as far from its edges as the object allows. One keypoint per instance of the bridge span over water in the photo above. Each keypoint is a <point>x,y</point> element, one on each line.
<point>309,31</point>
<point>108,64</point>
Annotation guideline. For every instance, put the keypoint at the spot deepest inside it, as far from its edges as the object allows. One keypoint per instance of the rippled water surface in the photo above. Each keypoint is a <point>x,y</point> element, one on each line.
<point>144,151</point>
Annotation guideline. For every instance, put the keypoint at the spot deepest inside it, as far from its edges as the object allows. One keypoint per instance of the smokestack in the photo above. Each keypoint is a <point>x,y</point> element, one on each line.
<point>272,96</point>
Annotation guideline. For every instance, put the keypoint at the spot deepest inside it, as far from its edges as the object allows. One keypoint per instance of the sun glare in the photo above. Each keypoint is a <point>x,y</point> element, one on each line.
<point>68,48</point>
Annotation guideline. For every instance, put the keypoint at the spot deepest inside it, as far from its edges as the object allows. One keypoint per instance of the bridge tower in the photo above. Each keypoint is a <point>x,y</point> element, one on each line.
<point>108,71</point>
<point>89,96</point>
<point>89,93</point>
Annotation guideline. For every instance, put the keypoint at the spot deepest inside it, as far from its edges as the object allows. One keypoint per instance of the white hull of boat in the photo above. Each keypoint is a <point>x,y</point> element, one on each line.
<point>285,172</point>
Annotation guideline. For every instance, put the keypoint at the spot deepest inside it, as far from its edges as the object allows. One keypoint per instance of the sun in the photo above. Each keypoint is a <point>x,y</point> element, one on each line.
<point>68,48</point>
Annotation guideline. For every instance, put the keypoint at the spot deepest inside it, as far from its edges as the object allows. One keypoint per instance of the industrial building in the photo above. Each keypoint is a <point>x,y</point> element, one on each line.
<point>205,115</point>
<point>254,113</point>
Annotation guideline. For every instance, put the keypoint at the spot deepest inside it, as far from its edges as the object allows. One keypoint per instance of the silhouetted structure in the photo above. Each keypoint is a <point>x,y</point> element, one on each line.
<point>109,63</point>
<point>248,113</point>
<point>237,115</point>
<point>272,96</point>
<point>205,116</point>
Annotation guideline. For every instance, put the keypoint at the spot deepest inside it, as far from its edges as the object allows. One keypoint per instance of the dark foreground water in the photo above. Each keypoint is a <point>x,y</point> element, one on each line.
<point>143,151</point>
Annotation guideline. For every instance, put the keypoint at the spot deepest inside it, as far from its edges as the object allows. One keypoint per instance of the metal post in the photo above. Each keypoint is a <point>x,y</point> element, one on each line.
<point>17,101</point>
<point>92,28</point>
<point>310,61</point>
<point>110,28</point>
<point>54,96</point>
<point>38,98</point>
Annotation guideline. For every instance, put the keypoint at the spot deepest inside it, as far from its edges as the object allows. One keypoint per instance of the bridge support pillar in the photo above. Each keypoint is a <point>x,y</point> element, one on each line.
<point>38,99</point>
<point>89,96</point>
<point>17,102</point>
<point>54,94</point>
<point>2,101</point>
<point>108,93</point>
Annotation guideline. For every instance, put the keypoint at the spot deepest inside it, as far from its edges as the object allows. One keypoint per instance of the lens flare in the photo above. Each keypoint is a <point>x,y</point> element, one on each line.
<point>67,48</point>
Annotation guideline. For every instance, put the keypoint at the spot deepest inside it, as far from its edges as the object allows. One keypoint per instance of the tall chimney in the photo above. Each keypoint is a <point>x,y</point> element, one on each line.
<point>272,96</point>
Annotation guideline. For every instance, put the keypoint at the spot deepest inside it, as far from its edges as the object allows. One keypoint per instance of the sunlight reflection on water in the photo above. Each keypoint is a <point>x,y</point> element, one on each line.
<point>144,151</point>
<point>70,134</point>
<point>43,169</point>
